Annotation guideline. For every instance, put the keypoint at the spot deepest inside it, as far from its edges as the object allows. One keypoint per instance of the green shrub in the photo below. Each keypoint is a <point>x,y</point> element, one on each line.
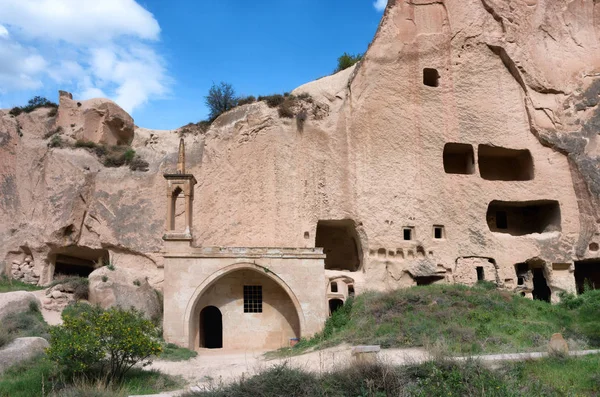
<point>15,111</point>
<point>129,155</point>
<point>246,100</point>
<point>110,266</point>
<point>346,60</point>
<point>285,109</point>
<point>38,102</point>
<point>272,100</point>
<point>105,343</point>
<point>56,142</point>
<point>221,98</point>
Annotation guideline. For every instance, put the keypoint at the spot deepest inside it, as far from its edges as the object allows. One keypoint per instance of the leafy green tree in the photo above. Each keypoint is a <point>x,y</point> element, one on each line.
<point>347,60</point>
<point>107,343</point>
<point>221,97</point>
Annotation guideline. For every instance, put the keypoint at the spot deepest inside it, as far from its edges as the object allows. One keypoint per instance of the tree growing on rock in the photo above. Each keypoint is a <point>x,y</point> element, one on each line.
<point>346,60</point>
<point>221,98</point>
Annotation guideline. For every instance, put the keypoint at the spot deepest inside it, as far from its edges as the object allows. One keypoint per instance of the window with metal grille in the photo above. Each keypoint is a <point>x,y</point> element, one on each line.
<point>252,298</point>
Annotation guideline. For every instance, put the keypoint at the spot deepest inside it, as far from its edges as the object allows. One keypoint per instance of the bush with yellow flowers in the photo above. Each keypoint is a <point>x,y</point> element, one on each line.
<point>103,343</point>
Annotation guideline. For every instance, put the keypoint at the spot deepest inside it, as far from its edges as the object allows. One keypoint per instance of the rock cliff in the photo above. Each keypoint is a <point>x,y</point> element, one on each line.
<point>461,113</point>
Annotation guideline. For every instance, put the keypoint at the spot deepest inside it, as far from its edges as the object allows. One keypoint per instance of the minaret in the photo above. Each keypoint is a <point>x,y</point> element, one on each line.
<point>181,159</point>
<point>179,184</point>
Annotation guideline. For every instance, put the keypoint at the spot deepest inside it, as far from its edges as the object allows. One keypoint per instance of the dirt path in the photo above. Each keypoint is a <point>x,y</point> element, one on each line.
<point>52,317</point>
<point>212,367</point>
<point>215,367</point>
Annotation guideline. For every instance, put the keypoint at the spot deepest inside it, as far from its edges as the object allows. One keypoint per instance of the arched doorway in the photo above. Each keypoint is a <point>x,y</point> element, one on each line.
<point>211,328</point>
<point>257,312</point>
<point>335,304</point>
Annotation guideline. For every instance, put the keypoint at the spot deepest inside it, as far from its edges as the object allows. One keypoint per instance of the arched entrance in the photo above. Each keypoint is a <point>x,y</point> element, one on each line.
<point>257,311</point>
<point>211,328</point>
<point>335,304</point>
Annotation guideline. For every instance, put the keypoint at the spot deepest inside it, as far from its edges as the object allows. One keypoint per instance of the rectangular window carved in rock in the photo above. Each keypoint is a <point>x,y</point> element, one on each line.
<point>431,77</point>
<point>438,232</point>
<point>459,159</point>
<point>519,218</point>
<point>502,164</point>
<point>408,233</point>
<point>252,298</point>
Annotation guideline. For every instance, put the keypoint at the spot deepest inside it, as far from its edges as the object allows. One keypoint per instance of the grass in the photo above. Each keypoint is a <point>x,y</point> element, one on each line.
<point>463,320</point>
<point>25,324</point>
<point>41,377</point>
<point>172,352</point>
<point>8,285</point>
<point>575,377</point>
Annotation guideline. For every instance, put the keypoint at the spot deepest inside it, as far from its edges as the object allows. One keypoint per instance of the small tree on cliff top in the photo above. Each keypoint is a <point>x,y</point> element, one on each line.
<point>221,97</point>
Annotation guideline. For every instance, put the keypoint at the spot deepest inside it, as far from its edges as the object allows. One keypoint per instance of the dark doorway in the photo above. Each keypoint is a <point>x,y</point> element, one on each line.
<point>211,328</point>
<point>587,275</point>
<point>480,274</point>
<point>335,304</point>
<point>541,291</point>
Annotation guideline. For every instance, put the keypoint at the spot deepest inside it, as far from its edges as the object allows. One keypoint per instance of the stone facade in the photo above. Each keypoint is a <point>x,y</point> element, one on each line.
<point>293,295</point>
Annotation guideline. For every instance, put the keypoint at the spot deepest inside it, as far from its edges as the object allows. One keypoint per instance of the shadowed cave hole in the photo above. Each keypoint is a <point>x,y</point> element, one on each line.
<point>77,261</point>
<point>340,243</point>
<point>587,275</point>
<point>459,159</point>
<point>431,77</point>
<point>428,280</point>
<point>335,304</point>
<point>501,164</point>
<point>519,218</point>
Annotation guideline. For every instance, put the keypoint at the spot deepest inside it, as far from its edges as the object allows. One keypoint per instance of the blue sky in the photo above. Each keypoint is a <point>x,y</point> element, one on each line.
<point>158,58</point>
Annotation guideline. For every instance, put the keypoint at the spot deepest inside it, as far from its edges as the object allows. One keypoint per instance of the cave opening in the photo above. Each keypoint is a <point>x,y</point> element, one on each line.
<point>340,243</point>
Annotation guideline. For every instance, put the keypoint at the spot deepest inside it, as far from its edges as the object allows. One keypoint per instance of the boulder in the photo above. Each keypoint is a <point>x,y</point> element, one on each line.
<point>95,120</point>
<point>123,288</point>
<point>558,345</point>
<point>21,349</point>
<point>16,302</point>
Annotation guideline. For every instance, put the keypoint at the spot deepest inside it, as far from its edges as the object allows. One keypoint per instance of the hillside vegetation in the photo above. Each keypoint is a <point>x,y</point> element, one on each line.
<point>460,319</point>
<point>549,377</point>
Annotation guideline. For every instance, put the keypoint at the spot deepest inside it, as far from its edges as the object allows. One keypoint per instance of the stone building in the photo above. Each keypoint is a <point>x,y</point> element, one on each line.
<point>235,297</point>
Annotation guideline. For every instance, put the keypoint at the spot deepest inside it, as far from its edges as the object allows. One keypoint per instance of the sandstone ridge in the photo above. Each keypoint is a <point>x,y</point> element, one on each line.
<point>462,82</point>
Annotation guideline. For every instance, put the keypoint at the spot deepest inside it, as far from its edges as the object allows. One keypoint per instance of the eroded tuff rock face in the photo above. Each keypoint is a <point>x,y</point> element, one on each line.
<point>466,139</point>
<point>95,120</point>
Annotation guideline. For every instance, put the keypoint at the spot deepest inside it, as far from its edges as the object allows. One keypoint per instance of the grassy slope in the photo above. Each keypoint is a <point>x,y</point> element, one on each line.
<point>456,318</point>
<point>7,285</point>
<point>40,377</point>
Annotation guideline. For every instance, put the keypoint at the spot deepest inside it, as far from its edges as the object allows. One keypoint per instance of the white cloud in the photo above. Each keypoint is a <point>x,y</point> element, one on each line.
<point>380,4</point>
<point>20,67</point>
<point>95,48</point>
<point>79,21</point>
